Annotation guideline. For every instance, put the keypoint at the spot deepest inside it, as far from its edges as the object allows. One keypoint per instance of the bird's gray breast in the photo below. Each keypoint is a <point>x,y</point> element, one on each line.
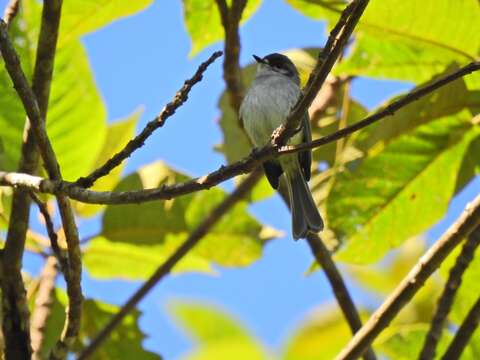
<point>266,106</point>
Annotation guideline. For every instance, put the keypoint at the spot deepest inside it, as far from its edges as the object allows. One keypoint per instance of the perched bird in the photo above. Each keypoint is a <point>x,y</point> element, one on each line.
<point>266,105</point>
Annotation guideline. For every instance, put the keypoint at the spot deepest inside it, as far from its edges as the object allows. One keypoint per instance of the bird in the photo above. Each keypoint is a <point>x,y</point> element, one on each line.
<point>266,105</point>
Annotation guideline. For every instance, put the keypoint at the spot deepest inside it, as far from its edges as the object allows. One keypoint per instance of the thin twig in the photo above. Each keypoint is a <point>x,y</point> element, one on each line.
<point>232,74</point>
<point>179,99</point>
<point>464,333</point>
<point>324,259</point>
<point>43,306</point>
<point>445,301</point>
<point>200,231</point>
<point>52,235</point>
<point>11,11</point>
<point>414,280</point>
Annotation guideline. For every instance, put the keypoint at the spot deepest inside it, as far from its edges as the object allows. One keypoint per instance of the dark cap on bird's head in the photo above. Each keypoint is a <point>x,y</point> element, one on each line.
<point>279,63</point>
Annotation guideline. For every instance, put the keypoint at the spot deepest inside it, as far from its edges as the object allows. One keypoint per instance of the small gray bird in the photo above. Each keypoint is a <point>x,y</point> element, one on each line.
<point>266,105</point>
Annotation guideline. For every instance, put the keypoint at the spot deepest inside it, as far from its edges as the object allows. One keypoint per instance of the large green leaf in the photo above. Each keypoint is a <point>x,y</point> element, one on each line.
<point>118,134</point>
<point>160,227</point>
<point>83,16</point>
<point>105,259</point>
<point>219,335</point>
<point>202,19</point>
<point>375,205</point>
<point>76,117</point>
<point>406,39</point>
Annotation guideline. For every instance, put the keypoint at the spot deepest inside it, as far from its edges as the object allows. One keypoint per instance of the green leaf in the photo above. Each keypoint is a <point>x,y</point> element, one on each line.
<point>202,19</point>
<point>320,336</point>
<point>118,134</point>
<point>219,335</point>
<point>374,206</point>
<point>105,259</point>
<point>236,240</point>
<point>82,17</point>
<point>76,116</point>
<point>405,39</point>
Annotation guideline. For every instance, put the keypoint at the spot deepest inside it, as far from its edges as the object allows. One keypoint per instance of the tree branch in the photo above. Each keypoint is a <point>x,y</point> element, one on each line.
<point>36,110</point>
<point>224,172</point>
<point>464,333</point>
<point>414,280</point>
<point>445,301</point>
<point>11,11</point>
<point>201,230</point>
<point>180,97</point>
<point>52,235</point>
<point>15,322</point>
<point>232,74</point>
<point>324,259</point>
<point>43,306</point>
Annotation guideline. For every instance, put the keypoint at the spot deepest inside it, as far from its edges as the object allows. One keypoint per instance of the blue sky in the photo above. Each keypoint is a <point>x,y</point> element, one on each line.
<point>142,61</point>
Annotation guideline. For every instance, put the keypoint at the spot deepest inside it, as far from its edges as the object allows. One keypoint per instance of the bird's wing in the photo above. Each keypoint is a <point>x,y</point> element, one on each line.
<point>305,157</point>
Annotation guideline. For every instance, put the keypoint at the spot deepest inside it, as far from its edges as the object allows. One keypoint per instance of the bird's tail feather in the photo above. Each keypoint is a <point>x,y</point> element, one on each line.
<point>305,215</point>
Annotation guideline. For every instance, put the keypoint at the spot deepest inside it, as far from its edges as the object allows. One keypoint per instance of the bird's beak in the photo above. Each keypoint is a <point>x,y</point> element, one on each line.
<point>258,59</point>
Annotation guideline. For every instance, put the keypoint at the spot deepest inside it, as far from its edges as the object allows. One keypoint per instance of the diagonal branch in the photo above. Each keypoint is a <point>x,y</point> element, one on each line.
<point>232,75</point>
<point>11,11</point>
<point>324,259</point>
<point>414,280</point>
<point>201,230</point>
<point>448,296</point>
<point>464,333</point>
<point>180,97</point>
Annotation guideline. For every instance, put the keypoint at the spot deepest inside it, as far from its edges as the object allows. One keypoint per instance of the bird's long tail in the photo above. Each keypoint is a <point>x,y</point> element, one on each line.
<point>305,215</point>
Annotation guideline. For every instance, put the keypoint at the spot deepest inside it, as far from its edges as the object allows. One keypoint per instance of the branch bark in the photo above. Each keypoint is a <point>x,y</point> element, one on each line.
<point>464,333</point>
<point>445,301</point>
<point>11,11</point>
<point>414,280</point>
<point>180,97</point>
<point>324,259</point>
<point>202,229</point>
<point>36,109</point>
<point>15,322</point>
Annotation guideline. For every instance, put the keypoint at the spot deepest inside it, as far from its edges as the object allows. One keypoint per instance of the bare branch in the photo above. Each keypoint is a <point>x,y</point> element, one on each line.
<point>324,259</point>
<point>43,305</point>
<point>52,235</point>
<point>464,333</point>
<point>11,11</point>
<point>201,230</point>
<point>445,301</point>
<point>180,97</point>
<point>414,280</point>
<point>232,74</point>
